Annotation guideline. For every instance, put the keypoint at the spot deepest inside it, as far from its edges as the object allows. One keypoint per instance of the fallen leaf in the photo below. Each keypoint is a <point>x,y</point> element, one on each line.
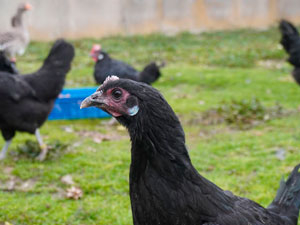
<point>74,193</point>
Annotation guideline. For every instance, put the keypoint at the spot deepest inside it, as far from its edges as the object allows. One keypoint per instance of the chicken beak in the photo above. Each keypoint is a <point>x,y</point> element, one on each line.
<point>95,99</point>
<point>86,103</point>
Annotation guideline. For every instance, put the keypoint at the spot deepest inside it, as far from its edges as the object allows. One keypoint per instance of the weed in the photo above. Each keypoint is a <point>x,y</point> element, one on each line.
<point>247,112</point>
<point>243,114</point>
<point>31,149</point>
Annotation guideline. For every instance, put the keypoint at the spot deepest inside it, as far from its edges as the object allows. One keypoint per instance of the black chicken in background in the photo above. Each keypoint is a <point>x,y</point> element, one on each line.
<point>6,65</point>
<point>290,41</point>
<point>106,66</point>
<point>165,188</point>
<point>26,100</point>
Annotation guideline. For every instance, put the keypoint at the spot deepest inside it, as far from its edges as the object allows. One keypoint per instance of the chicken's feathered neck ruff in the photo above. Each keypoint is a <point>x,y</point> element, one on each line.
<point>156,133</point>
<point>160,164</point>
<point>17,20</point>
<point>155,130</point>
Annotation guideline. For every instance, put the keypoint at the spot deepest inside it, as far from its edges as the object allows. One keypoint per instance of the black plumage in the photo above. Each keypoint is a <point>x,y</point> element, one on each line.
<point>6,65</point>
<point>290,41</point>
<point>165,188</point>
<point>26,100</point>
<point>106,66</point>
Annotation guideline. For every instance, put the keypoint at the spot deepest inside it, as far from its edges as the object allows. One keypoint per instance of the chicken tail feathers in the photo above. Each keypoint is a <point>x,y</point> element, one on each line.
<point>60,57</point>
<point>289,34</point>
<point>52,74</point>
<point>287,200</point>
<point>290,41</point>
<point>150,73</point>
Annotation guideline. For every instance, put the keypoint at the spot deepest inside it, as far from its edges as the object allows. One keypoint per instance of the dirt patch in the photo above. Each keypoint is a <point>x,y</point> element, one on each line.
<point>287,78</point>
<point>31,149</point>
<point>271,63</point>
<point>98,137</point>
<point>8,170</point>
<point>243,114</point>
<point>16,184</point>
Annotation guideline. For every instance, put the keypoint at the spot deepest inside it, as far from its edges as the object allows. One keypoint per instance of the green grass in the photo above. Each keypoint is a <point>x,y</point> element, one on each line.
<point>202,72</point>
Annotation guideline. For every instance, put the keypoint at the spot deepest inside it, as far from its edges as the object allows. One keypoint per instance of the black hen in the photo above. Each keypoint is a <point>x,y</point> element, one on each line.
<point>290,41</point>
<point>106,66</point>
<point>6,65</point>
<point>26,101</point>
<point>165,188</point>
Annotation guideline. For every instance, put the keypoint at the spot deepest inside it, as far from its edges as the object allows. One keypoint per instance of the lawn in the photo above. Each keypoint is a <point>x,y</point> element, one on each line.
<point>204,74</point>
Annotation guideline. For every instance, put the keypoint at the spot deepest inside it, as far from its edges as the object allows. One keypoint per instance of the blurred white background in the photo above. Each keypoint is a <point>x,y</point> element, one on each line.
<point>51,19</point>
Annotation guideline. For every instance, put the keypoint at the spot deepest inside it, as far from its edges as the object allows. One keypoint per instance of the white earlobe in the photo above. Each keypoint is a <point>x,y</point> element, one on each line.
<point>100,56</point>
<point>134,110</point>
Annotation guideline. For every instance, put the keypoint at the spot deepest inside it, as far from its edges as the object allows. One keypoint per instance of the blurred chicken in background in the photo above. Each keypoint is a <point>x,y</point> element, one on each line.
<point>106,66</point>
<point>290,41</point>
<point>27,100</point>
<point>15,41</point>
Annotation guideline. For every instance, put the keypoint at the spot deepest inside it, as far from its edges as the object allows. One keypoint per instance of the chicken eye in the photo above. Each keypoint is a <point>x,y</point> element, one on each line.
<point>117,94</point>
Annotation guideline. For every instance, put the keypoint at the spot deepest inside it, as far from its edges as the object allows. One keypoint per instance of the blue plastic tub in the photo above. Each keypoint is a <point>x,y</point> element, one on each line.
<point>67,105</point>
